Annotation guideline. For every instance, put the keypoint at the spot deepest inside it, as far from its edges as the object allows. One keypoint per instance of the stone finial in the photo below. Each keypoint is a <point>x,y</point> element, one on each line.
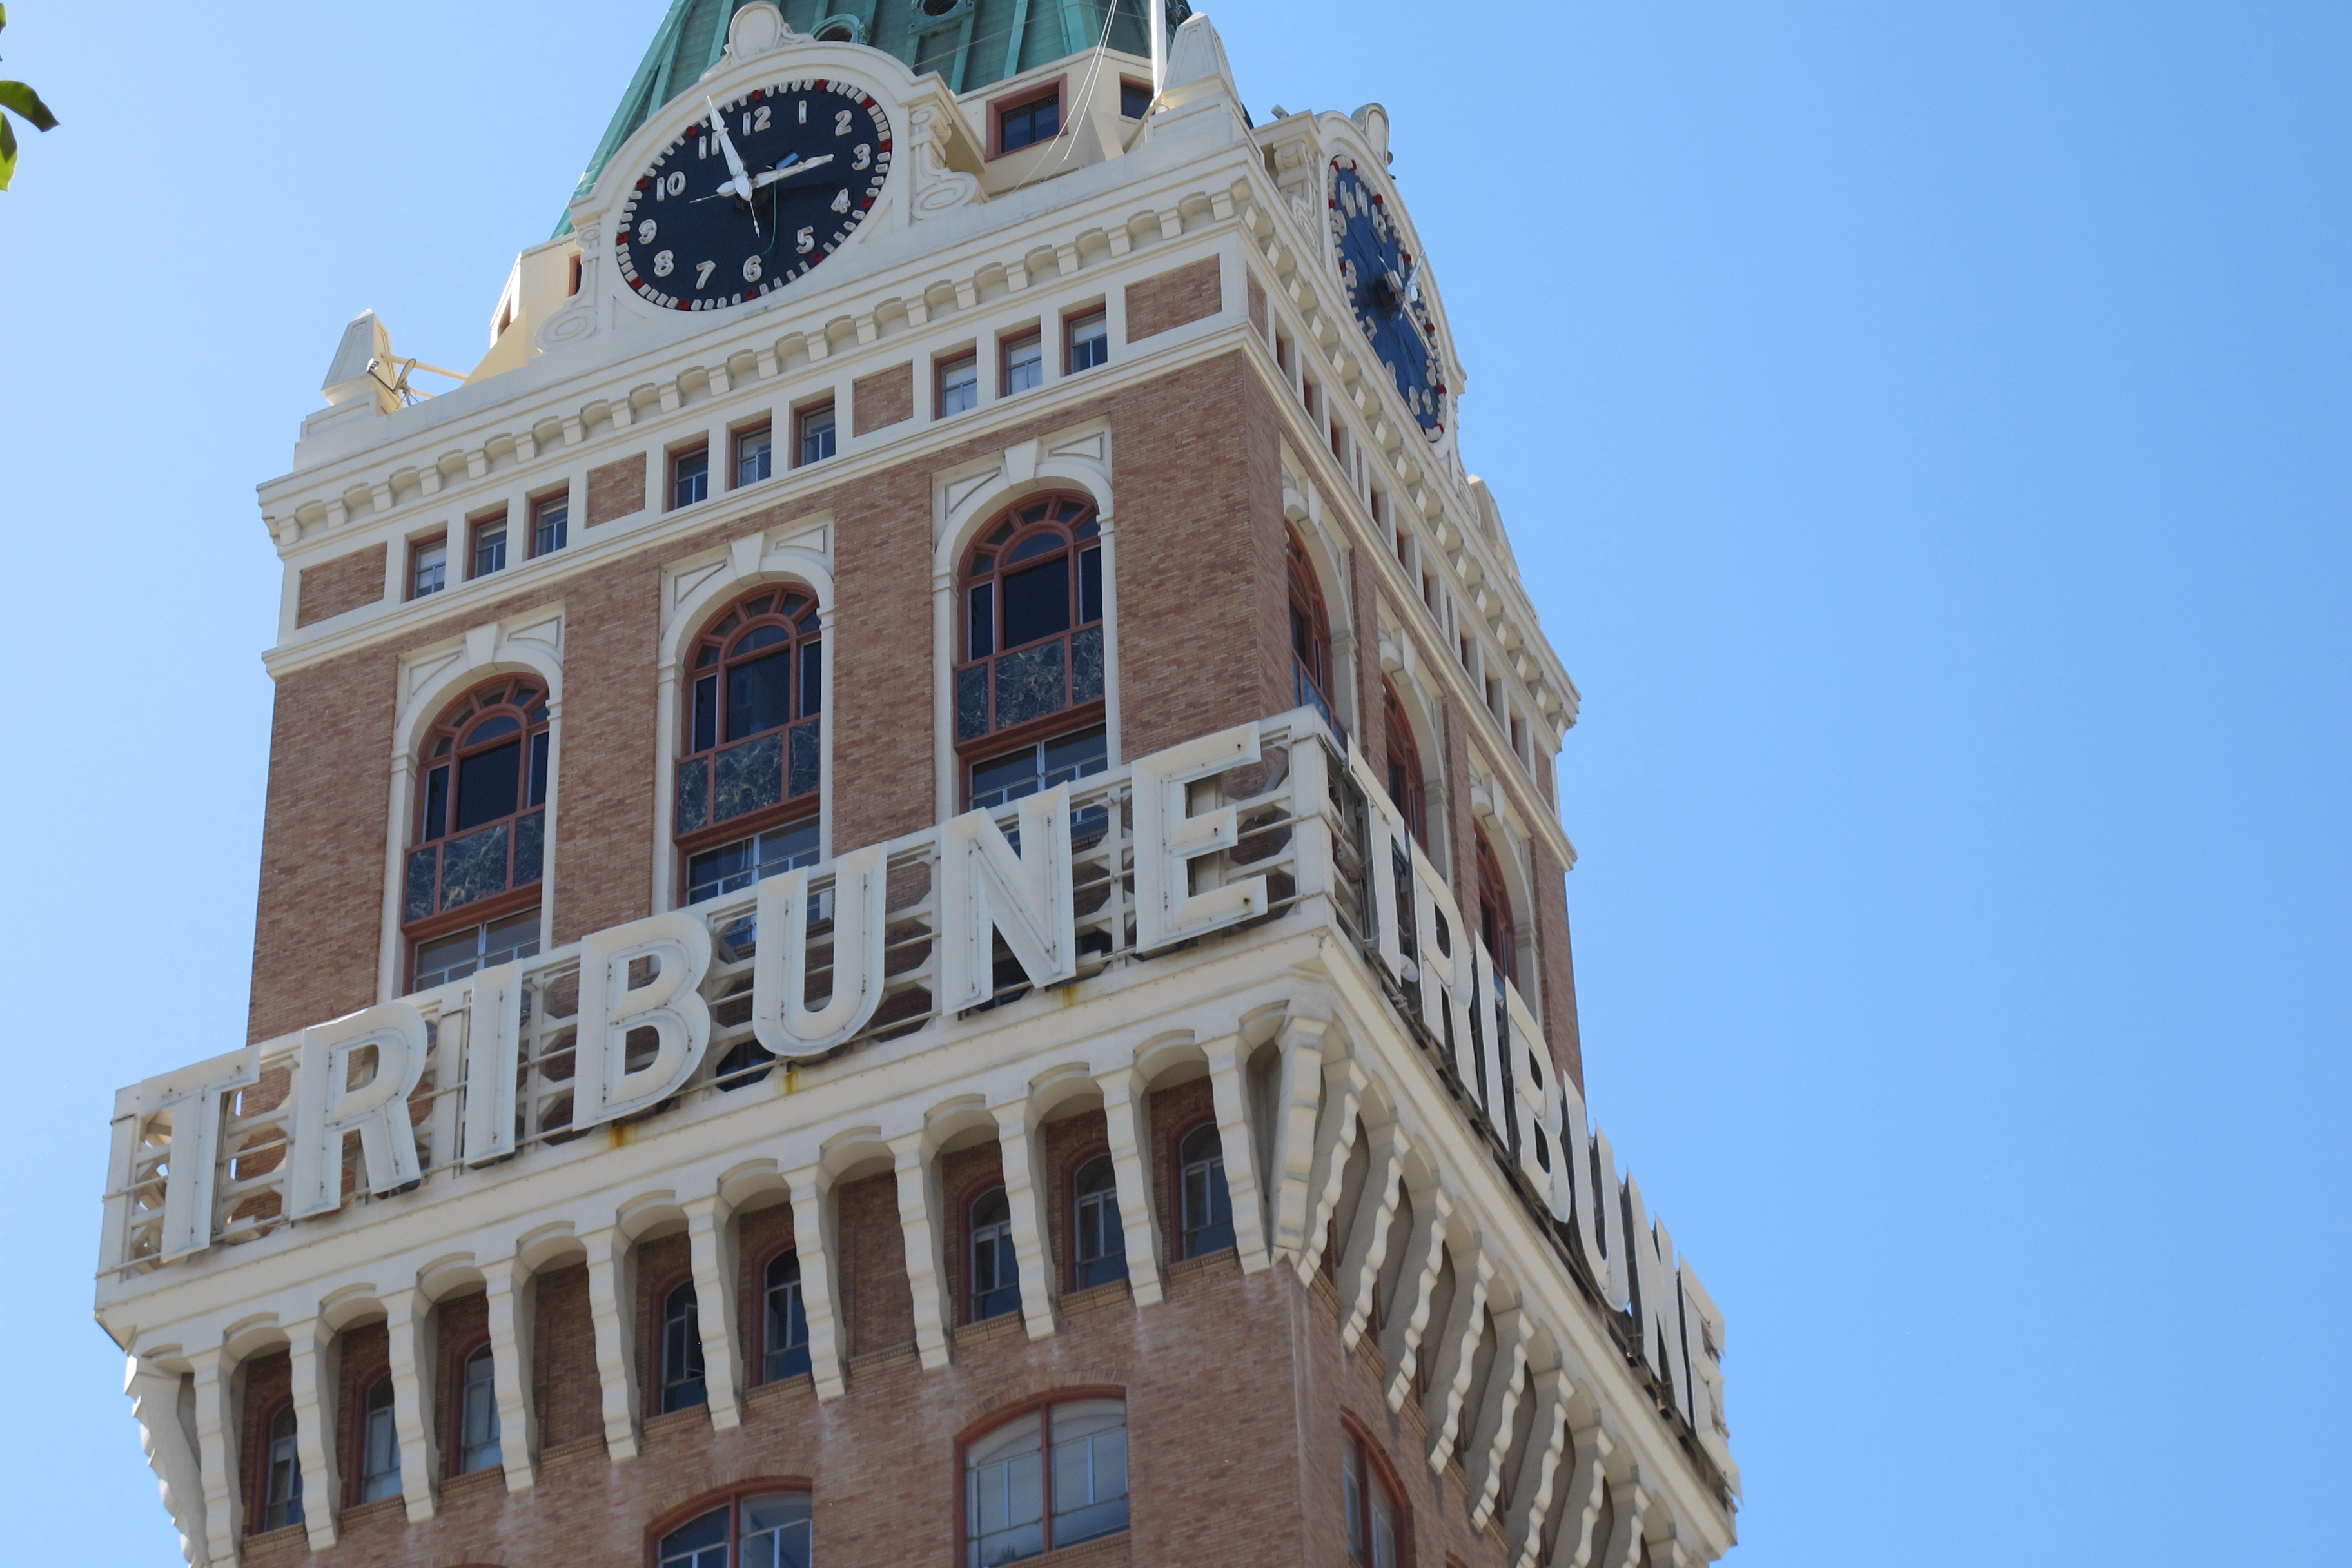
<point>366,344</point>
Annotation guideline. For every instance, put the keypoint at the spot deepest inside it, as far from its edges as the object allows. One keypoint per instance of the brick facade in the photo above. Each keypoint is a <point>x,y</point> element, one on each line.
<point>346,583</point>
<point>1162,303</point>
<point>616,490</point>
<point>878,400</point>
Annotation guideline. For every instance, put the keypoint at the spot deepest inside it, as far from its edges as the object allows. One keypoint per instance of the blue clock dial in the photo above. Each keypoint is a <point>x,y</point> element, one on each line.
<point>1381,280</point>
<point>753,195</point>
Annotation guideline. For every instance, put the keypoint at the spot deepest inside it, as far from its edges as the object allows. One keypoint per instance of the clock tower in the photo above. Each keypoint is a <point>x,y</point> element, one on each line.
<point>913,907</point>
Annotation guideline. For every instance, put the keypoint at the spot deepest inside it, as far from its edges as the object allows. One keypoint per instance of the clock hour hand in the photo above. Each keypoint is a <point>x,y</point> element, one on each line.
<point>742,184</point>
<point>789,170</point>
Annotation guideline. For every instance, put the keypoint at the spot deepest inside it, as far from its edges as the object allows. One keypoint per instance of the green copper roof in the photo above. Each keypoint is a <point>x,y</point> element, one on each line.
<point>970,43</point>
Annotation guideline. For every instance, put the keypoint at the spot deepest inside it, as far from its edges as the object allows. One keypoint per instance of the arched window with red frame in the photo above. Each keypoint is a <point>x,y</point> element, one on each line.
<point>1496,926</point>
<point>1029,670</point>
<point>1406,775</point>
<point>1310,633</point>
<point>1052,1476</point>
<point>470,892</point>
<point>749,784</point>
<point>754,1524</point>
<point>1376,1517</point>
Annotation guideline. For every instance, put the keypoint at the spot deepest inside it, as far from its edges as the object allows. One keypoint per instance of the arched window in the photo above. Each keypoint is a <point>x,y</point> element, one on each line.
<point>749,1530</point>
<point>378,1443</point>
<point>681,1351</point>
<point>1406,775</point>
<point>281,1473</point>
<point>1029,680</point>
<point>786,1318</point>
<point>477,1412</point>
<point>1310,634</point>
<point>1373,1508</point>
<point>1208,1209</point>
<point>995,1270</point>
<point>1496,927</point>
<point>1101,1250</point>
<point>748,785</point>
<point>480,833</point>
<point>1017,1504</point>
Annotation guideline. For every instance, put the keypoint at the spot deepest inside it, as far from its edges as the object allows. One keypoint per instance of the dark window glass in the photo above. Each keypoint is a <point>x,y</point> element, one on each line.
<point>478,1415</point>
<point>1090,342</point>
<point>436,803</point>
<point>1208,1210</point>
<point>379,1446</point>
<point>490,729</point>
<point>550,525</point>
<point>754,457</point>
<point>995,1271</point>
<point>702,1544</point>
<point>1031,123</point>
<point>787,1320</point>
<point>490,549</point>
<point>983,618</point>
<point>1102,1240</point>
<point>759,695</point>
<point>681,1351</point>
<point>538,768</point>
<point>487,785</point>
<point>1037,602</point>
<point>812,680</point>
<point>1089,587</point>
<point>706,713</point>
<point>283,1500</point>
<point>1134,99</point>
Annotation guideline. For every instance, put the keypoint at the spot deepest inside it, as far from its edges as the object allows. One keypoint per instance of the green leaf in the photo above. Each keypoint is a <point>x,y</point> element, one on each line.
<point>15,95</point>
<point>8,152</point>
<point>4,15</point>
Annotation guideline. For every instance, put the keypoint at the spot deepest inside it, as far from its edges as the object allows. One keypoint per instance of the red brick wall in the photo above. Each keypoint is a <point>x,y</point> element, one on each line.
<point>269,1380</point>
<point>564,1390</point>
<point>878,1303</point>
<point>616,489</point>
<point>1068,1143</point>
<point>460,1326</point>
<point>343,583</point>
<point>882,399</point>
<point>1553,952</point>
<point>1257,306</point>
<point>1159,304</point>
<point>362,1354</point>
<point>1174,1110</point>
<point>661,1265</point>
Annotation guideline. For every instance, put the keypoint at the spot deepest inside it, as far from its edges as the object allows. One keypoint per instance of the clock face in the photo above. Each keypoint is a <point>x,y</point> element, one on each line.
<point>1381,277</point>
<point>815,155</point>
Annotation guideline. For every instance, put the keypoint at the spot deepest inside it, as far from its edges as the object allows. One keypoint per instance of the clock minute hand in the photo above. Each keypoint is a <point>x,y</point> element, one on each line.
<point>803,167</point>
<point>742,180</point>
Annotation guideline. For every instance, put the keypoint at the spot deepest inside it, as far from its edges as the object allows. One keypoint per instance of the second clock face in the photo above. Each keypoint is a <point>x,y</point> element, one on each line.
<point>1381,277</point>
<point>815,155</point>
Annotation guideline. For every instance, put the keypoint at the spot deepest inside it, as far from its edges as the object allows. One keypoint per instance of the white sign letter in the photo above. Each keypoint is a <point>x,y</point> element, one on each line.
<point>326,1107</point>
<point>985,887</point>
<point>780,1014</point>
<point>1168,840</point>
<point>191,1098</point>
<point>603,1087</point>
<point>493,1050</point>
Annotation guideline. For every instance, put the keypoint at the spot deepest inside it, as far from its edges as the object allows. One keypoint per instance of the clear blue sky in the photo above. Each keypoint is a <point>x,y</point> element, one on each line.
<point>1923,429</point>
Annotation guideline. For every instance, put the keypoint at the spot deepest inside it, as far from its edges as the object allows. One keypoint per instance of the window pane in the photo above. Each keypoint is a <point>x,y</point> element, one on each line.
<point>436,803</point>
<point>537,795</point>
<point>754,457</point>
<point>1208,1209</point>
<point>690,478</point>
<point>720,871</point>
<point>432,566</point>
<point>700,1544</point>
<point>1351,1495</point>
<point>1004,778</point>
<point>487,783</point>
<point>775,1530</point>
<point>1089,1469</point>
<point>812,680</point>
<point>706,713</point>
<point>1024,364</point>
<point>787,1320</point>
<point>959,385</point>
<point>681,1351</point>
<point>551,526</point>
<point>785,849</point>
<point>490,549</point>
<point>517,936</point>
<point>1089,587</point>
<point>817,435</point>
<point>1384,1552</point>
<point>1004,1508</point>
<point>981,617</point>
<point>1134,99</point>
<point>759,695</point>
<point>1069,758</point>
<point>478,1414</point>
<point>1036,602</point>
<point>1102,1240</point>
<point>380,1461</point>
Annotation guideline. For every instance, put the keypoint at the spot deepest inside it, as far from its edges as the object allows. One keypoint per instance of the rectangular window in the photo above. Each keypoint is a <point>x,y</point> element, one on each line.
<point>689,477</point>
<point>1468,661</point>
<point>428,567</point>
<point>1089,343</point>
<point>1063,760</point>
<point>1134,98</point>
<point>1429,592</point>
<point>1339,441</point>
<point>486,946</point>
<point>731,868</point>
<point>814,442</point>
<point>551,524</point>
<point>1024,363</point>
<point>1026,124</point>
<point>1282,351</point>
<point>1310,395</point>
<point>754,455</point>
<point>1519,737</point>
<point>490,546</point>
<point>959,385</point>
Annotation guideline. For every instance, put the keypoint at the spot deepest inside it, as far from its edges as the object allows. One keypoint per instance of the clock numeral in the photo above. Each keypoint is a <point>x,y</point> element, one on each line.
<point>664,264</point>
<point>702,147</point>
<point>841,123</point>
<point>756,120</point>
<point>645,232</point>
<point>804,111</point>
<point>841,200</point>
<point>703,269</point>
<point>805,241</point>
<point>671,185</point>
<point>862,157</point>
<point>752,270</point>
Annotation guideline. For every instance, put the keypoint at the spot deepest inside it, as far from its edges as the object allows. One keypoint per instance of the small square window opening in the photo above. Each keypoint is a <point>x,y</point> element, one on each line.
<point>959,385</point>
<point>1024,363</point>
<point>1026,124</point>
<point>489,547</point>
<point>1090,342</point>
<point>816,435</point>
<point>754,455</point>
<point>551,522</point>
<point>689,477</point>
<point>428,568</point>
<point>1134,99</point>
